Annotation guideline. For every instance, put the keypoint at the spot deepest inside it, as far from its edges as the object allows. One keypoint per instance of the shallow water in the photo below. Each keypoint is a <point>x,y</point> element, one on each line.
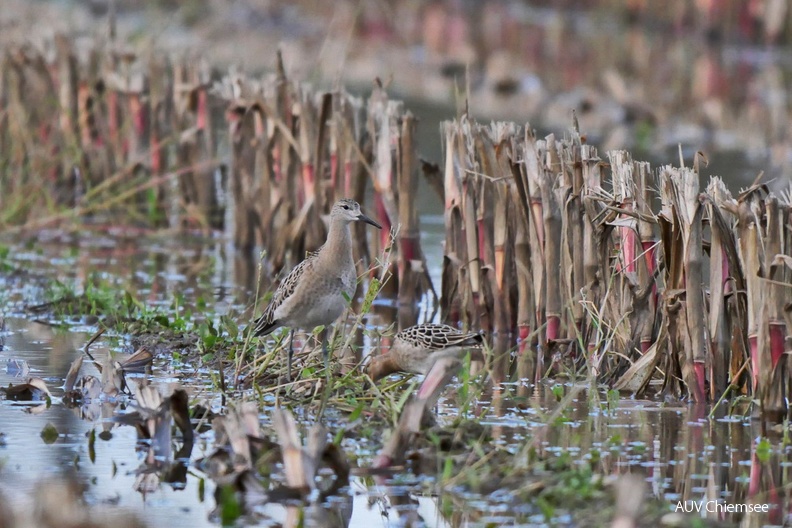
<point>682,454</point>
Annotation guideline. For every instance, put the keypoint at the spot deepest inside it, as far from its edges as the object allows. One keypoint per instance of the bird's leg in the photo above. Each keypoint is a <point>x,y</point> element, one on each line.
<point>325,351</point>
<point>289,357</point>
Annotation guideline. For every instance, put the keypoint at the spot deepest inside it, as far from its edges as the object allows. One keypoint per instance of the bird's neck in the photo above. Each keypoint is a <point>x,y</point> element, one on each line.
<point>383,365</point>
<point>339,242</point>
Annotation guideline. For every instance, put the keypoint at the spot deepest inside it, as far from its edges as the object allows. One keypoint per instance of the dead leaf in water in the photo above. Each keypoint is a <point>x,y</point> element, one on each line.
<point>138,361</point>
<point>90,387</point>
<point>299,468</point>
<point>71,377</point>
<point>113,383</point>
<point>147,482</point>
<point>154,414</point>
<point>35,390</point>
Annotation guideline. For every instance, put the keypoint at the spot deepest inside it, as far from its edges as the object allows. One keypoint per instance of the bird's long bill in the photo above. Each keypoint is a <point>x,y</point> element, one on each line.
<point>364,218</point>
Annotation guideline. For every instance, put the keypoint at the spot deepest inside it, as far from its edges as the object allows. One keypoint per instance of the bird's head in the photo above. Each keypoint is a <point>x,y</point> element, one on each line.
<point>349,210</point>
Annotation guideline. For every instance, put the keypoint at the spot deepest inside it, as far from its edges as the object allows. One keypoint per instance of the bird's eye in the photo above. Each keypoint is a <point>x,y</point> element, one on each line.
<point>346,207</point>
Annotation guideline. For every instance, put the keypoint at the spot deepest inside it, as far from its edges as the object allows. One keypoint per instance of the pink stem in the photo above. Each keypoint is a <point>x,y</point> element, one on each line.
<point>553,327</point>
<point>156,157</point>
<point>137,110</point>
<point>777,340</point>
<point>650,255</point>
<point>524,332</point>
<point>755,482</point>
<point>628,237</point>
<point>382,215</point>
<point>202,119</point>
<point>408,249</point>
<point>700,372</point>
<point>308,183</point>
<point>276,163</point>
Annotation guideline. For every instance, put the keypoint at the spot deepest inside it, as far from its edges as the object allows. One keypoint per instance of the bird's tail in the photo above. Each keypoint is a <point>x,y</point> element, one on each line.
<point>476,339</point>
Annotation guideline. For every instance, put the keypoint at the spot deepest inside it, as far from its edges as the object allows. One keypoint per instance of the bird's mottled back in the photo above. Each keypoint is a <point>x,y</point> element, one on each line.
<point>417,348</point>
<point>267,323</point>
<point>438,336</point>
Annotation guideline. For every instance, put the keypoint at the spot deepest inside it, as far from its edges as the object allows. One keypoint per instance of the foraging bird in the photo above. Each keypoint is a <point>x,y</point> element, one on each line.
<point>417,348</point>
<point>315,293</point>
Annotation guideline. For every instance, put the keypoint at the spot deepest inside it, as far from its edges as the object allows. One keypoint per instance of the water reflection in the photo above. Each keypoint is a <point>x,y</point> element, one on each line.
<point>682,453</point>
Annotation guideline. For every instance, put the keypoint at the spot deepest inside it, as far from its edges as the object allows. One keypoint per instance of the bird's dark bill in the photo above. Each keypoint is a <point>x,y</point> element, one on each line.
<point>364,218</point>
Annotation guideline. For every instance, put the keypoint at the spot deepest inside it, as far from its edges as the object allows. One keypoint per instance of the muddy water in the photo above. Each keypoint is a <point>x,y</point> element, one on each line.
<point>682,454</point>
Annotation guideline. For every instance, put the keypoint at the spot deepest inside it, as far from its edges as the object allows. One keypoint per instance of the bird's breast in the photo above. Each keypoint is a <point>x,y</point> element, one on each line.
<point>348,283</point>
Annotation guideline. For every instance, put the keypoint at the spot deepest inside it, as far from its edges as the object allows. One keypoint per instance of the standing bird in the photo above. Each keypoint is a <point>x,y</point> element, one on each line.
<point>316,291</point>
<point>417,348</point>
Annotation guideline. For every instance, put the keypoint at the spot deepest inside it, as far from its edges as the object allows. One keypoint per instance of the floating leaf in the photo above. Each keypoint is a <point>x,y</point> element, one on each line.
<point>92,446</point>
<point>49,434</point>
<point>34,390</point>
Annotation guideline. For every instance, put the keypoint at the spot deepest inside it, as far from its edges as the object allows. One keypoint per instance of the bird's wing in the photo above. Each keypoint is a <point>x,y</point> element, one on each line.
<point>267,323</point>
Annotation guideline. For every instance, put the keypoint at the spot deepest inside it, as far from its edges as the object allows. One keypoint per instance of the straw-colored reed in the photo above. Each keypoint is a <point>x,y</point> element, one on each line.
<point>94,132</point>
<point>636,274</point>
